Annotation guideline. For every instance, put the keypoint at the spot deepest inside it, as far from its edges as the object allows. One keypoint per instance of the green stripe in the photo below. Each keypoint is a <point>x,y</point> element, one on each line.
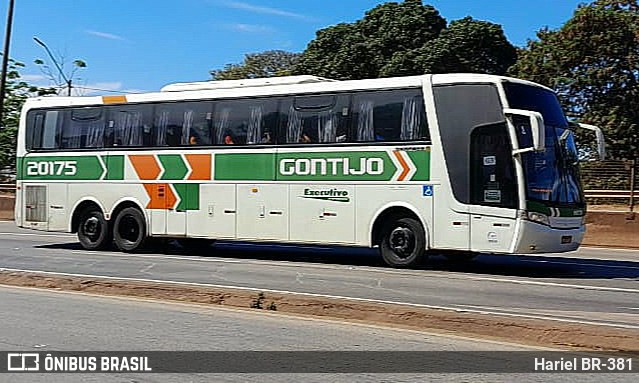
<point>189,196</point>
<point>174,167</point>
<point>245,166</point>
<point>421,159</point>
<point>335,166</point>
<point>115,167</point>
<point>71,168</point>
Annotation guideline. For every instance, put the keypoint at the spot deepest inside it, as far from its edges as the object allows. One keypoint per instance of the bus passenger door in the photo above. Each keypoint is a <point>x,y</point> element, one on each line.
<point>493,190</point>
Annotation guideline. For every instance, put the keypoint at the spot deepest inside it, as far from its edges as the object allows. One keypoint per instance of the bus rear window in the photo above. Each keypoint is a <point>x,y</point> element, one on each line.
<point>42,129</point>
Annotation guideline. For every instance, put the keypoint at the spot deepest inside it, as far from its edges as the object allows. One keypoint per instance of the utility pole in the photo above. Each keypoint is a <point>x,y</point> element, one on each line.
<point>5,60</point>
<point>55,62</point>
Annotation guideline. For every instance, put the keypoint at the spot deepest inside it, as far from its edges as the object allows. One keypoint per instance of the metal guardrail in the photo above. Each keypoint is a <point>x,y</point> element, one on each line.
<point>8,188</point>
<point>610,193</point>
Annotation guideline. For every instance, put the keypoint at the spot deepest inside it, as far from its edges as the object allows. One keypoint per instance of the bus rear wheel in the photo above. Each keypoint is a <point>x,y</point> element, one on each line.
<point>129,230</point>
<point>93,230</point>
<point>403,243</point>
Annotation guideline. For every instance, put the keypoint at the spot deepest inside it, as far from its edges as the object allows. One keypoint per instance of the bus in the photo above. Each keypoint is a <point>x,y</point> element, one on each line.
<point>455,164</point>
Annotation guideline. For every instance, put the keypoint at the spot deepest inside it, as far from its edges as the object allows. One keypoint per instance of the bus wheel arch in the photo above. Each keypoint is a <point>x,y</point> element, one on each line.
<point>401,235</point>
<point>130,229</point>
<point>89,222</point>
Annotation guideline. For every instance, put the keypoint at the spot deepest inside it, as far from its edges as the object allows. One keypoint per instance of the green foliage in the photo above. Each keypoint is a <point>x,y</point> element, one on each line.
<point>408,38</point>
<point>16,92</point>
<point>592,62</point>
<point>256,65</point>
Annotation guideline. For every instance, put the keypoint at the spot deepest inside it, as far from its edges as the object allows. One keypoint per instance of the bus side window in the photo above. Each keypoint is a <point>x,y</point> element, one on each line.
<point>180,124</point>
<point>245,122</point>
<point>35,127</point>
<point>390,115</point>
<point>129,126</point>
<point>83,128</point>
<point>315,119</point>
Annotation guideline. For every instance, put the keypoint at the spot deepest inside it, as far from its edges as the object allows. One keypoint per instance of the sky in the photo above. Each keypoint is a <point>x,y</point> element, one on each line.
<point>142,45</point>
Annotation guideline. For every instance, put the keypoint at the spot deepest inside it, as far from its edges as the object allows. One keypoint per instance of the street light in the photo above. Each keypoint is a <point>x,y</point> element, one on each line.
<point>64,77</point>
<point>5,60</point>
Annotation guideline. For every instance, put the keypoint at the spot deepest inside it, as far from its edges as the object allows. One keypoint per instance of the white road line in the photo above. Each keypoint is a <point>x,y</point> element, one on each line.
<point>554,284</point>
<point>61,235</point>
<point>415,273</point>
<point>368,300</point>
<point>244,311</point>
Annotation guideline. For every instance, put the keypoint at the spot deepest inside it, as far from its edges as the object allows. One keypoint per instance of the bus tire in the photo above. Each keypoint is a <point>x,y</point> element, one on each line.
<point>403,243</point>
<point>93,229</point>
<point>129,230</point>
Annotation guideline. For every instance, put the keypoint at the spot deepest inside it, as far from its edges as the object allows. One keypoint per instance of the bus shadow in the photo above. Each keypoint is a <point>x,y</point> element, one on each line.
<point>529,266</point>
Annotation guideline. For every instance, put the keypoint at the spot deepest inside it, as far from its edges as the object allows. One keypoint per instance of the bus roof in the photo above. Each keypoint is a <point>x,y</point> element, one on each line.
<point>266,87</point>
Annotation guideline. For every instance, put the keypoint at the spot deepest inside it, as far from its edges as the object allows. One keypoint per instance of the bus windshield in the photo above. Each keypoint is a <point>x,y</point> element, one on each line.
<point>552,176</point>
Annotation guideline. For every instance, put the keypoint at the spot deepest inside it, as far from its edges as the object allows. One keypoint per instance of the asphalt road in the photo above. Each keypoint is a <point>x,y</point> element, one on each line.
<point>47,321</point>
<point>591,285</point>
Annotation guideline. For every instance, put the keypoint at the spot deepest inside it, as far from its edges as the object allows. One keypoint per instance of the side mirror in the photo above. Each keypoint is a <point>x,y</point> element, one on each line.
<point>537,128</point>
<point>601,142</point>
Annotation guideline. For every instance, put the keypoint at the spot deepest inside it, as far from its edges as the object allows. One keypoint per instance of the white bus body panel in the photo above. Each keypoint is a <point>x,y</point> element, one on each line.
<point>217,215</point>
<point>322,220</point>
<point>262,211</point>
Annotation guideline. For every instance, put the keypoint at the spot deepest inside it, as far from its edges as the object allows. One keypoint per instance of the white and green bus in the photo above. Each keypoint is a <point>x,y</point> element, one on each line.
<point>452,163</point>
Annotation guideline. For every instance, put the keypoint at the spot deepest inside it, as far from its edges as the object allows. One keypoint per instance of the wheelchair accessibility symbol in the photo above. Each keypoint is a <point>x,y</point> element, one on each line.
<point>427,190</point>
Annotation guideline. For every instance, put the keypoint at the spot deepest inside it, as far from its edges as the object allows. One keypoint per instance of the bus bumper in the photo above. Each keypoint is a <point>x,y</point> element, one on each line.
<point>537,238</point>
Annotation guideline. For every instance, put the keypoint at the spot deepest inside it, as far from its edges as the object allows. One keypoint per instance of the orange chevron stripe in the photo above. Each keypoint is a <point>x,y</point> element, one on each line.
<point>402,161</point>
<point>145,166</point>
<point>161,196</point>
<point>201,165</point>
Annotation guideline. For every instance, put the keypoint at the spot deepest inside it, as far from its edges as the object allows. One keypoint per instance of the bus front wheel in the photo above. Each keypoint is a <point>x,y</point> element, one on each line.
<point>93,230</point>
<point>129,230</point>
<point>403,243</point>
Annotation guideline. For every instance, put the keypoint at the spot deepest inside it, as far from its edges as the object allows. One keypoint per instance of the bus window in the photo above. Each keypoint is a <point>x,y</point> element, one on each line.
<point>179,124</point>
<point>129,126</point>
<point>83,128</point>
<point>35,127</point>
<point>315,119</point>
<point>394,115</point>
<point>245,122</point>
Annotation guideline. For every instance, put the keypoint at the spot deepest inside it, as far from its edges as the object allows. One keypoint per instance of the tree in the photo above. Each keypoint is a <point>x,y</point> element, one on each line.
<point>408,38</point>
<point>255,65</point>
<point>16,93</point>
<point>592,62</point>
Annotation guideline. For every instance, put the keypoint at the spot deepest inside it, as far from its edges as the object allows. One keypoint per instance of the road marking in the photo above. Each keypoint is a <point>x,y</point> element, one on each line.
<point>414,273</point>
<point>199,308</point>
<point>368,300</point>
<point>554,284</point>
<point>40,235</point>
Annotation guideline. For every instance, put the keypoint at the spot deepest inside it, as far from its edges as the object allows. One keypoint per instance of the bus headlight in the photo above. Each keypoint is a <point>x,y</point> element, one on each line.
<point>539,218</point>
